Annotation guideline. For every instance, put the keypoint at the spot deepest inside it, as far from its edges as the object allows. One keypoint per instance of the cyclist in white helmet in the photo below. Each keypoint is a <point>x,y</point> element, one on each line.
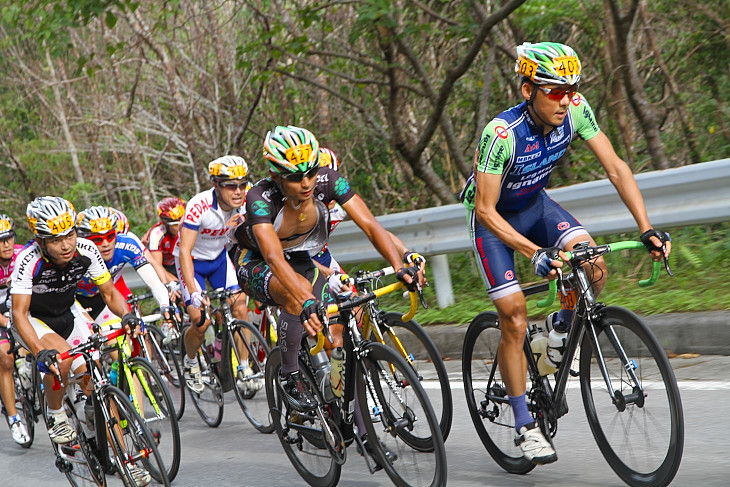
<point>8,253</point>
<point>201,253</point>
<point>510,211</point>
<point>44,308</point>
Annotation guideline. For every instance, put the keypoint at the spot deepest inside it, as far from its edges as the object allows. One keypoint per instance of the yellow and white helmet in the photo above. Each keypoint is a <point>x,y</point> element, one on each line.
<point>51,216</point>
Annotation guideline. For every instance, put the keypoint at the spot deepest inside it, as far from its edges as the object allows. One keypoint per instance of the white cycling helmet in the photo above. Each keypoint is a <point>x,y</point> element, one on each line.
<point>97,220</point>
<point>51,216</point>
<point>228,168</point>
<point>7,227</point>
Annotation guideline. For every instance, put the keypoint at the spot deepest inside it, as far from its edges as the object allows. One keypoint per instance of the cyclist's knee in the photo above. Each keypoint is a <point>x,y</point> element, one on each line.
<point>6,359</point>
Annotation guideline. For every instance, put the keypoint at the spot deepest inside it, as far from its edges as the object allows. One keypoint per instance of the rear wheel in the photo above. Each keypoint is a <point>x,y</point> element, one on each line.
<point>130,441</point>
<point>300,434</point>
<point>641,432</point>
<point>157,410</point>
<point>209,403</point>
<point>249,367</point>
<point>85,466</point>
<point>165,357</point>
<point>486,394</point>
<point>404,423</point>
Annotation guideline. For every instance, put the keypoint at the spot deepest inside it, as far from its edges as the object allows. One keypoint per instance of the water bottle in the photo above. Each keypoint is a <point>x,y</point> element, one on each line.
<point>556,338</point>
<point>23,372</point>
<point>538,344</point>
<point>114,374</point>
<point>90,416</point>
<point>209,339</point>
<point>336,379</point>
<point>217,347</point>
<point>323,370</point>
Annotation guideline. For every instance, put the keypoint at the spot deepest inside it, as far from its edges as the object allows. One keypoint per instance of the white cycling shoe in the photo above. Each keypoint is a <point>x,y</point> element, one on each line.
<point>535,447</point>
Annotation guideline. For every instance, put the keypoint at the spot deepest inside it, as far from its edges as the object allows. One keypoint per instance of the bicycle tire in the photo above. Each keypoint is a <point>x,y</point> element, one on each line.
<point>160,416</point>
<point>251,399</point>
<point>405,415</point>
<point>130,440</point>
<point>304,448</point>
<point>486,394</point>
<point>427,364</point>
<point>208,403</point>
<point>24,408</point>
<point>657,421</point>
<point>169,368</point>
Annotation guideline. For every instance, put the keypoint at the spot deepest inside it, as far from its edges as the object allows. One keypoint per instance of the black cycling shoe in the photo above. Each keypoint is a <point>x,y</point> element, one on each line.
<point>296,392</point>
<point>391,456</point>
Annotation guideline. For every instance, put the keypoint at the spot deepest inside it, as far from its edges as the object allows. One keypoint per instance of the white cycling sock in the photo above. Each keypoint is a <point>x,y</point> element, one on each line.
<point>190,362</point>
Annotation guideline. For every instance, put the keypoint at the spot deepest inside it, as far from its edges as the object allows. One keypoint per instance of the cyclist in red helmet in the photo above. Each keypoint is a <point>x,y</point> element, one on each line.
<point>160,238</point>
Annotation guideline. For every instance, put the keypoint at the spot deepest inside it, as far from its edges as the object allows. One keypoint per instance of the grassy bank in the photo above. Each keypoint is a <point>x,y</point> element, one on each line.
<point>700,260</point>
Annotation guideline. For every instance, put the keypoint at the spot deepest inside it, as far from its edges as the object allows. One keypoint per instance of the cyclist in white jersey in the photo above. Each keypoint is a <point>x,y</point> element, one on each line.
<point>45,312</point>
<point>200,252</point>
<point>8,252</point>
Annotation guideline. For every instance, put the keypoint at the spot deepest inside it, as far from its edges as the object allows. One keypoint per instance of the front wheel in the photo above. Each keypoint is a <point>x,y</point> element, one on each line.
<point>209,403</point>
<point>486,394</point>
<point>403,423</point>
<point>166,357</point>
<point>301,434</point>
<point>248,359</point>
<point>641,431</point>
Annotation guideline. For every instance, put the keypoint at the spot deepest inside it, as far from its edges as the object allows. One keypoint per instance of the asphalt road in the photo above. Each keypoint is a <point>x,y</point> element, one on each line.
<point>236,455</point>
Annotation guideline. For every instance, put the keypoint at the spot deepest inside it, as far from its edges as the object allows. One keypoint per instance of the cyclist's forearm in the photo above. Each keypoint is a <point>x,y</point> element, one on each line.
<point>159,291</point>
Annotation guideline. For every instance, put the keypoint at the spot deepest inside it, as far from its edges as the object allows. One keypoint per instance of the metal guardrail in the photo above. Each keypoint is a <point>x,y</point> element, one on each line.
<point>698,193</point>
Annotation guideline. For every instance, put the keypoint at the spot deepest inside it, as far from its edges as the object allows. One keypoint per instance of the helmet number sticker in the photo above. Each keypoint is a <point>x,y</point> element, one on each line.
<point>527,67</point>
<point>60,223</point>
<point>177,212</point>
<point>567,65</point>
<point>5,225</point>
<point>100,225</point>
<point>237,172</point>
<point>299,154</point>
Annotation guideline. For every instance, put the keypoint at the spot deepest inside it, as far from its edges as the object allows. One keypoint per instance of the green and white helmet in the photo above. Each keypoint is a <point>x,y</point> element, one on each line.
<point>548,63</point>
<point>51,216</point>
<point>291,149</point>
<point>97,220</point>
<point>228,167</point>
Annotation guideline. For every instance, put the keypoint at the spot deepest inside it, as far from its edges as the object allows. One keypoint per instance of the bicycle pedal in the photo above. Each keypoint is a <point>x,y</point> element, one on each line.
<point>574,373</point>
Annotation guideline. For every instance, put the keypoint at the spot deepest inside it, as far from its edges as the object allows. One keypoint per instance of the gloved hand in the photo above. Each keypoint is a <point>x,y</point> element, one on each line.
<point>414,258</point>
<point>337,280</point>
<point>542,260</point>
<point>408,271</point>
<point>196,299</point>
<point>646,239</point>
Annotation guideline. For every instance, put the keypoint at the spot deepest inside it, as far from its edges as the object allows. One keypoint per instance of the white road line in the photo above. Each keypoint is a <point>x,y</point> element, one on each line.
<point>686,385</point>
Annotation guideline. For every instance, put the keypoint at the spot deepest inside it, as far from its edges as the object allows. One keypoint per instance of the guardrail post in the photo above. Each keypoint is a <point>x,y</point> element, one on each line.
<point>442,280</point>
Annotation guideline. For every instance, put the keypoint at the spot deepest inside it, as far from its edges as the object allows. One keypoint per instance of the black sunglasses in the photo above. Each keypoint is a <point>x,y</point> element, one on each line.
<point>296,177</point>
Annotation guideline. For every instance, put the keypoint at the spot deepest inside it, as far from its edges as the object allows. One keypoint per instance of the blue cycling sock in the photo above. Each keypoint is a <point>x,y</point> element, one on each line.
<point>519,408</point>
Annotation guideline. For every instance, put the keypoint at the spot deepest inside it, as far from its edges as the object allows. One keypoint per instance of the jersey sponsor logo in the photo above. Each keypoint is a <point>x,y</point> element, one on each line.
<point>557,134</point>
<point>501,132</point>
<point>576,99</point>
<point>528,158</point>
<point>563,226</point>
<point>197,210</point>
<point>509,275</point>
<point>341,186</point>
<point>485,263</point>
<point>484,143</point>
<point>261,208</point>
<point>322,178</point>
<point>532,147</point>
<point>128,247</point>
<point>529,181</point>
<point>528,168</point>
<point>531,138</point>
<point>214,233</point>
<point>589,117</point>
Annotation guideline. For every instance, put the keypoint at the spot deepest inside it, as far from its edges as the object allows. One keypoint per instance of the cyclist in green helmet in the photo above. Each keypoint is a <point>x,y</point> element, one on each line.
<point>510,211</point>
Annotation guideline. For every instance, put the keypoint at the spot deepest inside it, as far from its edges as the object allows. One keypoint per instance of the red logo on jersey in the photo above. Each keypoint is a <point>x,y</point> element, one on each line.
<point>576,99</point>
<point>214,233</point>
<point>563,226</point>
<point>509,275</point>
<point>532,147</point>
<point>501,132</point>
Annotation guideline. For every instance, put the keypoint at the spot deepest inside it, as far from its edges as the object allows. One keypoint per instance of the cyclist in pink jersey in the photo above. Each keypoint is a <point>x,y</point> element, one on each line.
<point>8,252</point>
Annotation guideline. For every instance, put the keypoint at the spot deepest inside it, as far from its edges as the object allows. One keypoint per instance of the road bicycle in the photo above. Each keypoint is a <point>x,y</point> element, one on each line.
<point>162,349</point>
<point>240,365</point>
<point>149,394</point>
<point>116,440</point>
<point>266,317</point>
<point>402,421</point>
<point>410,340</point>
<point>26,402</point>
<point>629,391</point>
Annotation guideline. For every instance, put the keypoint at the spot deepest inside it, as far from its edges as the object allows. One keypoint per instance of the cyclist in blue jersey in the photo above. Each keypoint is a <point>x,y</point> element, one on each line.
<point>509,209</point>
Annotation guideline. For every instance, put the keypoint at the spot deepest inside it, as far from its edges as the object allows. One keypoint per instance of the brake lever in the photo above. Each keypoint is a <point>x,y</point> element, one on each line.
<point>324,319</point>
<point>560,281</point>
<point>666,261</point>
<point>419,290</point>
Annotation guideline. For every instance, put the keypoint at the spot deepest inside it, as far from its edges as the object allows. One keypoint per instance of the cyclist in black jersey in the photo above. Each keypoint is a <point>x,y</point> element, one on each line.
<point>44,307</point>
<point>287,221</point>
<point>509,209</point>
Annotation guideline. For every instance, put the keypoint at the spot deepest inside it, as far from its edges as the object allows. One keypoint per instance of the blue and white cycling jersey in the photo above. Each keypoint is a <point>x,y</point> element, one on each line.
<point>127,250</point>
<point>515,147</point>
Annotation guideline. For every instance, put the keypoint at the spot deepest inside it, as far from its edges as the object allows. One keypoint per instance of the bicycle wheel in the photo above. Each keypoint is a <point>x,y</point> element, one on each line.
<point>486,394</point>
<point>427,364</point>
<point>157,410</point>
<point>78,459</point>
<point>404,417</point>
<point>131,443</point>
<point>165,357</point>
<point>209,403</point>
<point>300,434</point>
<point>24,407</point>
<point>641,438</point>
<point>249,388</point>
